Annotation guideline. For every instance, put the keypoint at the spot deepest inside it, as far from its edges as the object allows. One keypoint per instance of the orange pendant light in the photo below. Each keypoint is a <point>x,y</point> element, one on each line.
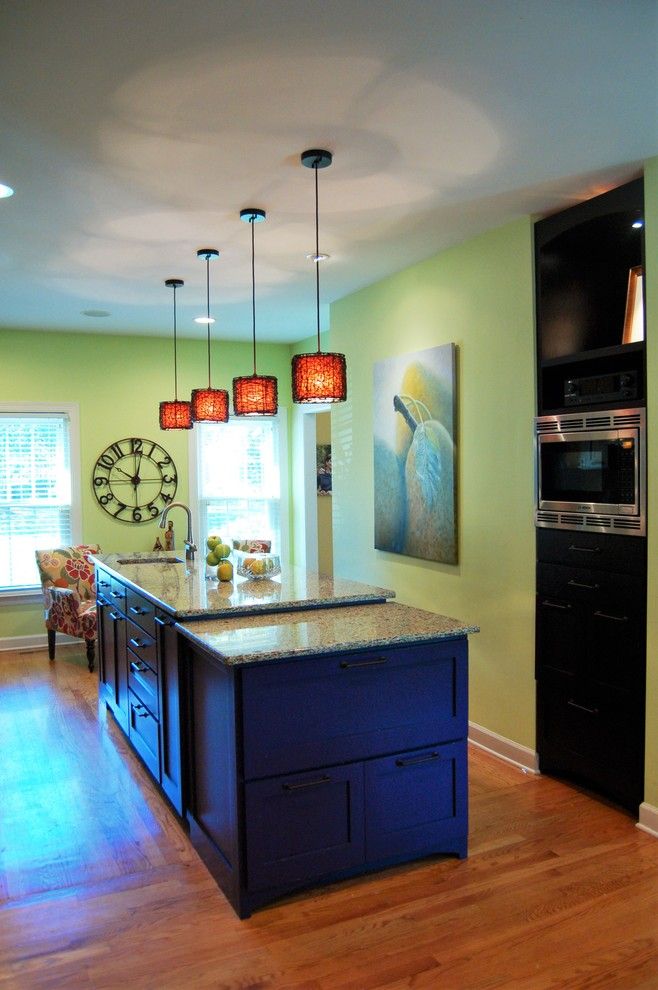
<point>320,376</point>
<point>209,405</point>
<point>254,395</point>
<point>176,414</point>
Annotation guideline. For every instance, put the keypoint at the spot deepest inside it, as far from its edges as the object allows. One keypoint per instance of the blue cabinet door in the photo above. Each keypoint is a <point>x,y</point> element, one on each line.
<point>304,826</point>
<point>416,803</point>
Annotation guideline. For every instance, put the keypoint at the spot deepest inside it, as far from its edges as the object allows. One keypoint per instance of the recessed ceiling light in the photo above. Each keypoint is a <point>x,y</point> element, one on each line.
<point>317,257</point>
<point>5,191</point>
<point>204,319</point>
<point>638,223</point>
<point>95,312</point>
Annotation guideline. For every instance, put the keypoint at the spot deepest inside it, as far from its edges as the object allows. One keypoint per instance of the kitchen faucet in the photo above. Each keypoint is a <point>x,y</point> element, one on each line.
<point>190,546</point>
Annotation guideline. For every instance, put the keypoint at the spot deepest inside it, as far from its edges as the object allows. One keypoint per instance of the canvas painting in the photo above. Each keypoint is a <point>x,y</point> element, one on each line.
<point>414,454</point>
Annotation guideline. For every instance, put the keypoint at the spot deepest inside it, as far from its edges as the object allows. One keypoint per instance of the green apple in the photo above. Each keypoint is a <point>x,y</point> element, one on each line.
<point>212,541</point>
<point>223,549</point>
<point>210,559</point>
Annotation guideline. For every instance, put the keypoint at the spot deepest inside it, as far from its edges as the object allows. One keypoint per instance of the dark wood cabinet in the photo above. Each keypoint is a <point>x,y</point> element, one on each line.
<point>140,679</point>
<point>583,259</point>
<point>308,770</point>
<point>590,665</point>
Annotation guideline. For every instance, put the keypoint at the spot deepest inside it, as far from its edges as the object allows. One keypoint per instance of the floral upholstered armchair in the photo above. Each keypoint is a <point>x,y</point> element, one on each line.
<point>69,590</point>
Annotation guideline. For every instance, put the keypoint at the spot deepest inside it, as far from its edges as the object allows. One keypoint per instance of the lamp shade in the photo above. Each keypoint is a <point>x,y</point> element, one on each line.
<point>175,415</point>
<point>255,395</point>
<point>319,377</point>
<point>209,405</point>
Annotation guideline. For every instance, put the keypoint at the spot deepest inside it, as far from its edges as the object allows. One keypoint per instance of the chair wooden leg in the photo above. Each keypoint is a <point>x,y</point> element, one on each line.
<point>91,643</point>
<point>51,644</point>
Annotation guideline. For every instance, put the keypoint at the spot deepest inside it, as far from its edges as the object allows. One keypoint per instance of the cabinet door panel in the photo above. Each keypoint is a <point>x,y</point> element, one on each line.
<point>616,647</point>
<point>559,637</point>
<point>143,733</point>
<point>143,682</point>
<point>302,827</point>
<point>416,802</point>
<point>170,713</point>
<point>319,712</point>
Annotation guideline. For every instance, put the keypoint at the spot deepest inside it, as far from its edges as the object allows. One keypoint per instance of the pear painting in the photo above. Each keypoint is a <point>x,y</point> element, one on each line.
<point>414,454</point>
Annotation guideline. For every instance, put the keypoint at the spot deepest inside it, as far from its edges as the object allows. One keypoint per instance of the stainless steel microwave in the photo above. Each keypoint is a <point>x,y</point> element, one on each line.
<point>591,471</point>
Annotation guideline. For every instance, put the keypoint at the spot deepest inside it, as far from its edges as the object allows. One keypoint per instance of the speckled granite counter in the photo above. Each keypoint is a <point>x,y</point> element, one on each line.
<point>183,591</point>
<point>259,638</point>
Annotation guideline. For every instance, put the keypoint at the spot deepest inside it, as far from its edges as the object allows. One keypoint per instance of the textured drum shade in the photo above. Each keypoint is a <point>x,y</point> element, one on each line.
<point>254,395</point>
<point>175,414</point>
<point>319,377</point>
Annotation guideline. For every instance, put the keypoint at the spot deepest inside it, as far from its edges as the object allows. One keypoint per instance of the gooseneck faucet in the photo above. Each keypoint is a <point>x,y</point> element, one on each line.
<point>190,546</point>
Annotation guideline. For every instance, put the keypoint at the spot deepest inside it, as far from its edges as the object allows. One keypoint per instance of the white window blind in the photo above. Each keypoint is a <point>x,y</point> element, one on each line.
<point>239,480</point>
<point>35,492</point>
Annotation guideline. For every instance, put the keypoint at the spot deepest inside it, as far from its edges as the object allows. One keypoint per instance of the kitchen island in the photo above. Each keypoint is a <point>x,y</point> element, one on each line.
<point>317,732</point>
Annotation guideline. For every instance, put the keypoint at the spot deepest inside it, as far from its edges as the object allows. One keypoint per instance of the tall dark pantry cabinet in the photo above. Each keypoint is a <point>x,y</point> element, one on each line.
<point>591,569</point>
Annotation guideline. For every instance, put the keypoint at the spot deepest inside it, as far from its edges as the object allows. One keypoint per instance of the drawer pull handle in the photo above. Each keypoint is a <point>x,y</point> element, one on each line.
<point>137,643</point>
<point>103,584</point>
<point>346,665</point>
<point>116,594</point>
<point>556,605</point>
<point>415,760</point>
<point>116,616</point>
<point>582,708</point>
<point>140,711</point>
<point>306,783</point>
<point>581,584</point>
<point>585,549</point>
<point>138,611</point>
<point>137,666</point>
<point>615,618</point>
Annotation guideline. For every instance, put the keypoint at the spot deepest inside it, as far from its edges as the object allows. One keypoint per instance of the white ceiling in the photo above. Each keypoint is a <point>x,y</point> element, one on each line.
<point>134,131</point>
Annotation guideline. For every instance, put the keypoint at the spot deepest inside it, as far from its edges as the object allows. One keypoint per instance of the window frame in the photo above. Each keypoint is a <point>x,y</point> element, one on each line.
<point>30,594</point>
<point>281,422</point>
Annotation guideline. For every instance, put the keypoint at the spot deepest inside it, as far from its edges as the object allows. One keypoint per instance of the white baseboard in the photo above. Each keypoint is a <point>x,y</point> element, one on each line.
<point>648,819</point>
<point>22,644</point>
<point>505,749</point>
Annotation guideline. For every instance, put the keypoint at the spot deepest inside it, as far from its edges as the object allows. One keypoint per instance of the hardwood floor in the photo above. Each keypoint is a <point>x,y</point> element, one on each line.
<point>100,888</point>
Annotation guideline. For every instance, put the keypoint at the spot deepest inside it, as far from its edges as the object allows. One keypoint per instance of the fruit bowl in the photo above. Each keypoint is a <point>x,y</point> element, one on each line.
<point>256,566</point>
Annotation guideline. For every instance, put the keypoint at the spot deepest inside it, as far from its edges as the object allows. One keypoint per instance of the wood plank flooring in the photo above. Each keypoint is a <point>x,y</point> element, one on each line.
<point>100,888</point>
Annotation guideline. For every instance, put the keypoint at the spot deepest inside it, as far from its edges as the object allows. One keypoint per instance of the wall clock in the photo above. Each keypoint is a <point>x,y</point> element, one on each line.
<point>134,479</point>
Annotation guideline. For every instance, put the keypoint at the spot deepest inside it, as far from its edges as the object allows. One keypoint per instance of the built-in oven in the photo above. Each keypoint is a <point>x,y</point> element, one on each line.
<point>591,471</point>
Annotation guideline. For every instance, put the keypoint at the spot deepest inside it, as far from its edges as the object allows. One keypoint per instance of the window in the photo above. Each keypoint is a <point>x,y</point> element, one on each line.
<point>240,481</point>
<point>38,476</point>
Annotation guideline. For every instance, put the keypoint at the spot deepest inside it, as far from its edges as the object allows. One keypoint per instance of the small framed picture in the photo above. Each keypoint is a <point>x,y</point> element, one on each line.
<point>323,468</point>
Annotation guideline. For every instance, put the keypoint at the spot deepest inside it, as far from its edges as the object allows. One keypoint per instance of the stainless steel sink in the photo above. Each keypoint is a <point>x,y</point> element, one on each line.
<point>149,559</point>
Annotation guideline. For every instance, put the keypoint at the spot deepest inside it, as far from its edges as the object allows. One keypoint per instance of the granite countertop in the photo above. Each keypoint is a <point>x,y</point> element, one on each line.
<point>183,590</point>
<point>260,638</point>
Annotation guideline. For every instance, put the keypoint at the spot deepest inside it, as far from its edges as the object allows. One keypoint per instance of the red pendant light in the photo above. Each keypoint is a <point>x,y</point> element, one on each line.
<point>209,405</point>
<point>175,415</point>
<point>254,395</point>
<point>320,376</point>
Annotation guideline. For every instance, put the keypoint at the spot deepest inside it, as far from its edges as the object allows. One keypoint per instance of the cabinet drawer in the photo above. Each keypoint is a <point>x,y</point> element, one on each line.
<point>352,706</point>
<point>416,802</point>
<point>143,733</point>
<point>116,594</point>
<point>143,682</point>
<point>303,826</point>
<point>591,587</point>
<point>103,584</point>
<point>141,611</point>
<point>595,735</point>
<point>603,551</point>
<point>142,644</point>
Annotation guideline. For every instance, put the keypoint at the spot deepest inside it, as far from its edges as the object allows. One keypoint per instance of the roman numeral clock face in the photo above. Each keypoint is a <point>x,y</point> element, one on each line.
<point>134,479</point>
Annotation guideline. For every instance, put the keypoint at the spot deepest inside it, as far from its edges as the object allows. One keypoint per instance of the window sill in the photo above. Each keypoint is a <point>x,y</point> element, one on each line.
<point>21,596</point>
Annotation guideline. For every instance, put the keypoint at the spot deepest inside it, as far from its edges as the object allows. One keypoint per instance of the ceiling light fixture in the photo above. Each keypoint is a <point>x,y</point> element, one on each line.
<point>319,376</point>
<point>5,191</point>
<point>254,395</point>
<point>176,415</point>
<point>209,405</point>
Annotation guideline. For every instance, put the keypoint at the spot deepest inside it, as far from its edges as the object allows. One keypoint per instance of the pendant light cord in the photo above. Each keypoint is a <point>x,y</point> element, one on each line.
<point>317,253</point>
<point>253,288</point>
<point>208,310</point>
<point>175,351</point>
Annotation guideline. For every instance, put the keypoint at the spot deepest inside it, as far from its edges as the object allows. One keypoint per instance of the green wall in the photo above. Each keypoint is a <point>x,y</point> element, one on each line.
<point>651,261</point>
<point>478,295</point>
<point>118,382</point>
